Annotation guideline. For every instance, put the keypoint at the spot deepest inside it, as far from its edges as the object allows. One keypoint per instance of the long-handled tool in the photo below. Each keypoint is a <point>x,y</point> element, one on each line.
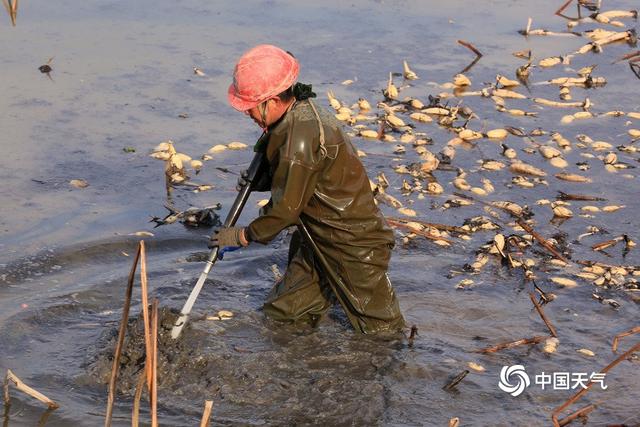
<point>253,171</point>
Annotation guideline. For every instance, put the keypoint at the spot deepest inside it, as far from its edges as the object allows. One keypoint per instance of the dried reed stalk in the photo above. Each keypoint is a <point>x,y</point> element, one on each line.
<point>556,412</point>
<point>616,339</point>
<point>135,413</point>
<point>512,344</point>
<point>145,313</point>
<point>542,315</point>
<point>154,364</point>
<point>123,328</point>
<point>208,405</point>
<point>21,386</point>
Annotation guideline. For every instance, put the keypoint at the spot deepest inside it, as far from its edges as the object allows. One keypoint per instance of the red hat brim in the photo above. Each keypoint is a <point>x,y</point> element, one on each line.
<point>238,103</point>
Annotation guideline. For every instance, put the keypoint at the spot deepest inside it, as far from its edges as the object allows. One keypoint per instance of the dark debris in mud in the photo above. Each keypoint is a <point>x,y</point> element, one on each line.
<point>314,378</point>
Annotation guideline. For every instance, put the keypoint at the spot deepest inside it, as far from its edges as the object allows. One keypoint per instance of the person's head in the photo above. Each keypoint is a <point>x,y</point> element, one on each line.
<point>262,82</point>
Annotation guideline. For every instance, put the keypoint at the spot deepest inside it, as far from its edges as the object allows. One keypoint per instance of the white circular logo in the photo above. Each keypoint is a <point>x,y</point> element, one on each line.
<point>518,375</point>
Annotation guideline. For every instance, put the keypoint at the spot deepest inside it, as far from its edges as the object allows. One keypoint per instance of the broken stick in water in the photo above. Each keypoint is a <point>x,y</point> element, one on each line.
<point>580,413</point>
<point>512,344</point>
<point>609,243</point>
<point>548,246</point>
<point>441,227</point>
<point>616,339</point>
<point>562,8</point>
<point>556,412</point>
<point>579,197</point>
<point>11,378</point>
<point>473,49</point>
<point>542,315</point>
<point>44,417</point>
<point>627,56</point>
<point>422,233</point>
<point>412,335</point>
<point>204,422</point>
<point>456,380</point>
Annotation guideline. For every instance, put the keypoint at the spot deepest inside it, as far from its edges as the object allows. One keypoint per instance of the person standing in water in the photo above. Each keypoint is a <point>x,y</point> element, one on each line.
<point>315,175</point>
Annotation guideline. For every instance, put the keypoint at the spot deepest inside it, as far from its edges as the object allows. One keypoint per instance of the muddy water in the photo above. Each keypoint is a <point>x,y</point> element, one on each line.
<point>122,75</point>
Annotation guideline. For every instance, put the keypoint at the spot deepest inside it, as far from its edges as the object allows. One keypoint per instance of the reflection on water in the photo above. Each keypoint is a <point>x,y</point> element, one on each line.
<point>124,79</point>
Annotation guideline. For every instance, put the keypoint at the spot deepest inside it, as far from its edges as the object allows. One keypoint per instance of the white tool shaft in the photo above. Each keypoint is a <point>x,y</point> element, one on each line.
<point>186,310</point>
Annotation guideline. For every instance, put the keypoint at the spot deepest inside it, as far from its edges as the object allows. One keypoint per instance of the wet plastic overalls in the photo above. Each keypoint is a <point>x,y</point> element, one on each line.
<point>315,174</point>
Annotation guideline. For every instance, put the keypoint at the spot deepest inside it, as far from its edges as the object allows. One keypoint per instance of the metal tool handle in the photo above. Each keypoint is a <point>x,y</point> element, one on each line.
<point>255,168</point>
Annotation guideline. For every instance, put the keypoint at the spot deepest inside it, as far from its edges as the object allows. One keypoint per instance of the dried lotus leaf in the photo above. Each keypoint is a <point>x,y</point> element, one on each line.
<point>183,157</point>
<point>550,345</point>
<point>395,121</point>
<point>461,80</point>
<point>478,191</point>
<point>436,111</point>
<point>407,212</point>
<point>469,135</point>
<point>505,82</point>
<point>564,282</point>
<point>421,117</point>
<point>506,93</point>
<point>476,367</point>
<point>549,152</point>
<point>572,177</point>
<point>434,188</point>
<point>497,133</point>
<point>550,62</point>
<point>164,146</point>
<point>408,73</point>
<point>236,146</point>
<point>524,168</point>
<point>558,162</point>
<point>567,119</point>
<point>364,105</point>
<point>612,208</point>
<point>79,183</point>
<point>562,212</point>
<point>217,149</point>
<point>589,208</point>
<point>461,184</point>
<point>493,165</point>
<point>583,115</point>
<point>369,133</point>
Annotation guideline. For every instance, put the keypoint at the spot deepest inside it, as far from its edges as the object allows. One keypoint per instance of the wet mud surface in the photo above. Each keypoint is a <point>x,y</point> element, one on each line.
<point>128,83</point>
<point>219,359</point>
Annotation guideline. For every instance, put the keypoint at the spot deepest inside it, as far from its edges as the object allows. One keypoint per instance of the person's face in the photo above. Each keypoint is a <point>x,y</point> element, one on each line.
<point>268,112</point>
<point>260,114</point>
